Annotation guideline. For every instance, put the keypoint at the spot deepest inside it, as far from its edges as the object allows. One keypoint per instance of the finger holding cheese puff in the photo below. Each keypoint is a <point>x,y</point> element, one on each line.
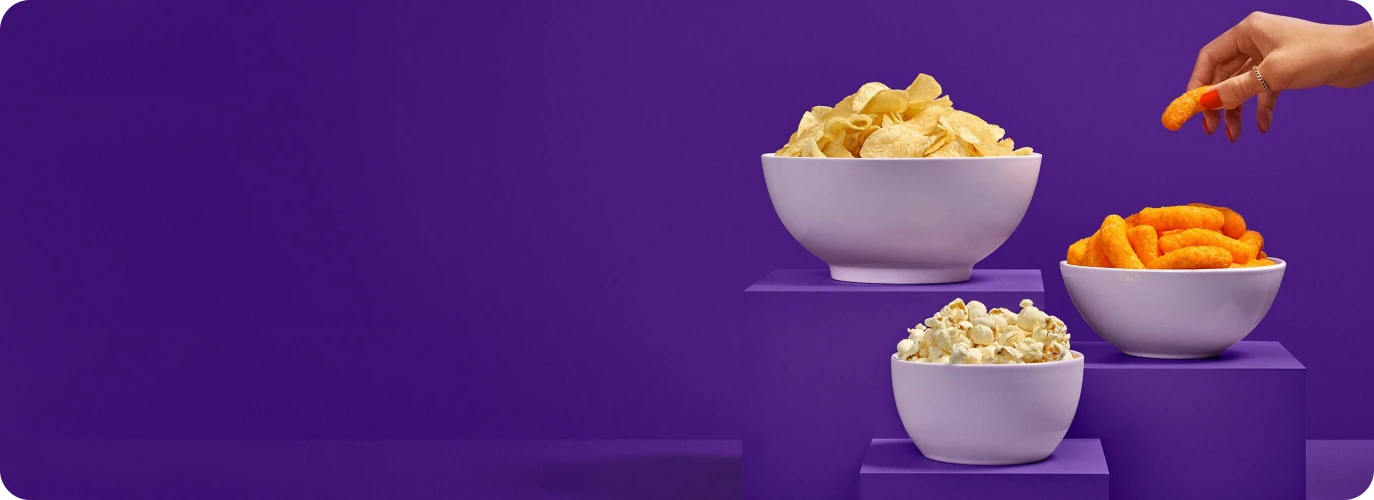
<point>1241,252</point>
<point>1145,242</point>
<point>1183,108</point>
<point>1180,217</point>
<point>1112,239</point>
<point>1194,258</point>
<point>1233,225</point>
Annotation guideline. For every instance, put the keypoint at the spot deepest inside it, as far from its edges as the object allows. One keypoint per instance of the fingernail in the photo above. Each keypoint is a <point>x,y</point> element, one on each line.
<point>1228,134</point>
<point>1208,127</point>
<point>1210,100</point>
<point>1264,130</point>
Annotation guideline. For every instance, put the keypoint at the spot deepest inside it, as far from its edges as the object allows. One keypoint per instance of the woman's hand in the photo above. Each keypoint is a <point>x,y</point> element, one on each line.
<point>1291,54</point>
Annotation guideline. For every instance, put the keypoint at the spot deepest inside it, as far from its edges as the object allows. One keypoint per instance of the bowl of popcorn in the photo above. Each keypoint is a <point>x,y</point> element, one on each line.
<point>897,186</point>
<point>987,387</point>
<point>1176,282</point>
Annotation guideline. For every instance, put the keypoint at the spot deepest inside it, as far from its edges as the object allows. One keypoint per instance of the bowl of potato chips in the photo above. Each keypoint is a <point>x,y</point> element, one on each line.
<point>1178,282</point>
<point>897,186</point>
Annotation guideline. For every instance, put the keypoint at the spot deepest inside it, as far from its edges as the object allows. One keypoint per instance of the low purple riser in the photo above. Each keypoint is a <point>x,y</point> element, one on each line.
<point>817,374</point>
<point>894,470</point>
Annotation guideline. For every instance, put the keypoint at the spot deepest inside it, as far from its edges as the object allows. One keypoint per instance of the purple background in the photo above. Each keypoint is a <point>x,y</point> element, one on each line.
<point>319,219</point>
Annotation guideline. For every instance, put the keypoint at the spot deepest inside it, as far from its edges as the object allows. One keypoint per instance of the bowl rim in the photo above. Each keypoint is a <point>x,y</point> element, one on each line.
<point>1279,264</point>
<point>1077,359</point>
<point>893,160</point>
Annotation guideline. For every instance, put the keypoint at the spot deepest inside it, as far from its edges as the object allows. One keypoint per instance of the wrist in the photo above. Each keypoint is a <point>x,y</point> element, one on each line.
<point>1360,41</point>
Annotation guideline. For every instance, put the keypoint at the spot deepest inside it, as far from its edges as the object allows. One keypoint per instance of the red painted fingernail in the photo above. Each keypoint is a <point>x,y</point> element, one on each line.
<point>1210,100</point>
<point>1228,134</point>
<point>1264,130</point>
<point>1208,127</point>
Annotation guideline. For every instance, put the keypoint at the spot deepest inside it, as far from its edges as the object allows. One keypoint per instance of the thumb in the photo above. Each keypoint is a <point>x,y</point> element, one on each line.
<point>1233,91</point>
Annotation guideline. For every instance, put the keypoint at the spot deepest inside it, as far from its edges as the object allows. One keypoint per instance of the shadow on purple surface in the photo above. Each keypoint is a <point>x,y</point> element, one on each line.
<point>661,478</point>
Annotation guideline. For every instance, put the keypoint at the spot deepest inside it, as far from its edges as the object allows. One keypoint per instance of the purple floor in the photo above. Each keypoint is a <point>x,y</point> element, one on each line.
<point>661,469</point>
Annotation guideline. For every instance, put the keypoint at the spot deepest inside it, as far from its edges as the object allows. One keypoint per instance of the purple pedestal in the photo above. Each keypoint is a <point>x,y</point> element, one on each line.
<point>894,470</point>
<point>1218,428</point>
<point>818,379</point>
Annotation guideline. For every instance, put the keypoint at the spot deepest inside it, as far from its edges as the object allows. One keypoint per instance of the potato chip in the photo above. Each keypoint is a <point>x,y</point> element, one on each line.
<point>1007,143</point>
<point>951,149</point>
<point>991,150</point>
<point>836,150</point>
<point>894,142</point>
<point>924,88</point>
<point>927,119</point>
<point>886,101</point>
<point>809,149</point>
<point>1024,151</point>
<point>865,93</point>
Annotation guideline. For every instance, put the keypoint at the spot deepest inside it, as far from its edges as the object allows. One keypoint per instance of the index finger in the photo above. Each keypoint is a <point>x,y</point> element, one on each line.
<point>1227,52</point>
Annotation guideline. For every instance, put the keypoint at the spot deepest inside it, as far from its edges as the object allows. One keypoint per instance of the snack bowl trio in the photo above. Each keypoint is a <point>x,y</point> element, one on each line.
<point>878,186</point>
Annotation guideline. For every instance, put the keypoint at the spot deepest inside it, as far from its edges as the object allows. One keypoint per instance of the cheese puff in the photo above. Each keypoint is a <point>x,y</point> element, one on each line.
<point>1169,232</point>
<point>1233,224</point>
<point>1237,266</point>
<point>1078,252</point>
<point>1194,258</point>
<point>1253,238</point>
<point>1166,218</point>
<point>1133,220</point>
<point>1241,252</point>
<point>1260,263</point>
<point>1095,256</point>
<point>1112,239</point>
<point>1261,256</point>
<point>1183,108</point>
<point>1145,242</point>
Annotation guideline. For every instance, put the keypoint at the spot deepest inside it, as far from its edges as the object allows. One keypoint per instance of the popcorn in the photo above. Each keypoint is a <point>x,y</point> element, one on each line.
<point>970,333</point>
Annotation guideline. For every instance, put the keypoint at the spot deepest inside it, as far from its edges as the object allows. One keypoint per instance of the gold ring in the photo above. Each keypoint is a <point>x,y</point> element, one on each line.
<point>1263,83</point>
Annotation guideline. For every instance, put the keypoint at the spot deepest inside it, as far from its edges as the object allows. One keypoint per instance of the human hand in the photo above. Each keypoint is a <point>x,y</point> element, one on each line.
<point>1291,54</point>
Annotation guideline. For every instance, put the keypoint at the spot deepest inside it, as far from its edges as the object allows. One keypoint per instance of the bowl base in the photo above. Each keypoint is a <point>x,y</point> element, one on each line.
<point>900,276</point>
<point>983,462</point>
<point>1153,355</point>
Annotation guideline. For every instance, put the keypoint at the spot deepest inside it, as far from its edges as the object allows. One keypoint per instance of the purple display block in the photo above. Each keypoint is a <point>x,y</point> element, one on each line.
<point>894,470</point>
<point>818,378</point>
<point>1225,427</point>
<point>1339,469</point>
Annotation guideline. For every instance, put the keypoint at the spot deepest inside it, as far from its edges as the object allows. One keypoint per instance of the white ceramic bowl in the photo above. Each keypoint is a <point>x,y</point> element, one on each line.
<point>1173,314</point>
<point>901,220</point>
<point>987,414</point>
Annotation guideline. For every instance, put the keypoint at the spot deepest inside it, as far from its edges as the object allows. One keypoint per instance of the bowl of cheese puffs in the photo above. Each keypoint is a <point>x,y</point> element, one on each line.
<point>1175,282</point>
<point>898,186</point>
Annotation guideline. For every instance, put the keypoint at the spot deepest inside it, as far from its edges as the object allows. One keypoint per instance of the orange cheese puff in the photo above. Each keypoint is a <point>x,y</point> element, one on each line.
<point>1113,241</point>
<point>1259,263</point>
<point>1145,242</point>
<point>1078,252</point>
<point>1261,256</point>
<point>1253,238</point>
<point>1133,220</point>
<point>1194,258</point>
<point>1164,219</point>
<point>1241,252</point>
<point>1235,265</point>
<point>1169,232</point>
<point>1096,257</point>
<point>1233,224</point>
<point>1183,108</point>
